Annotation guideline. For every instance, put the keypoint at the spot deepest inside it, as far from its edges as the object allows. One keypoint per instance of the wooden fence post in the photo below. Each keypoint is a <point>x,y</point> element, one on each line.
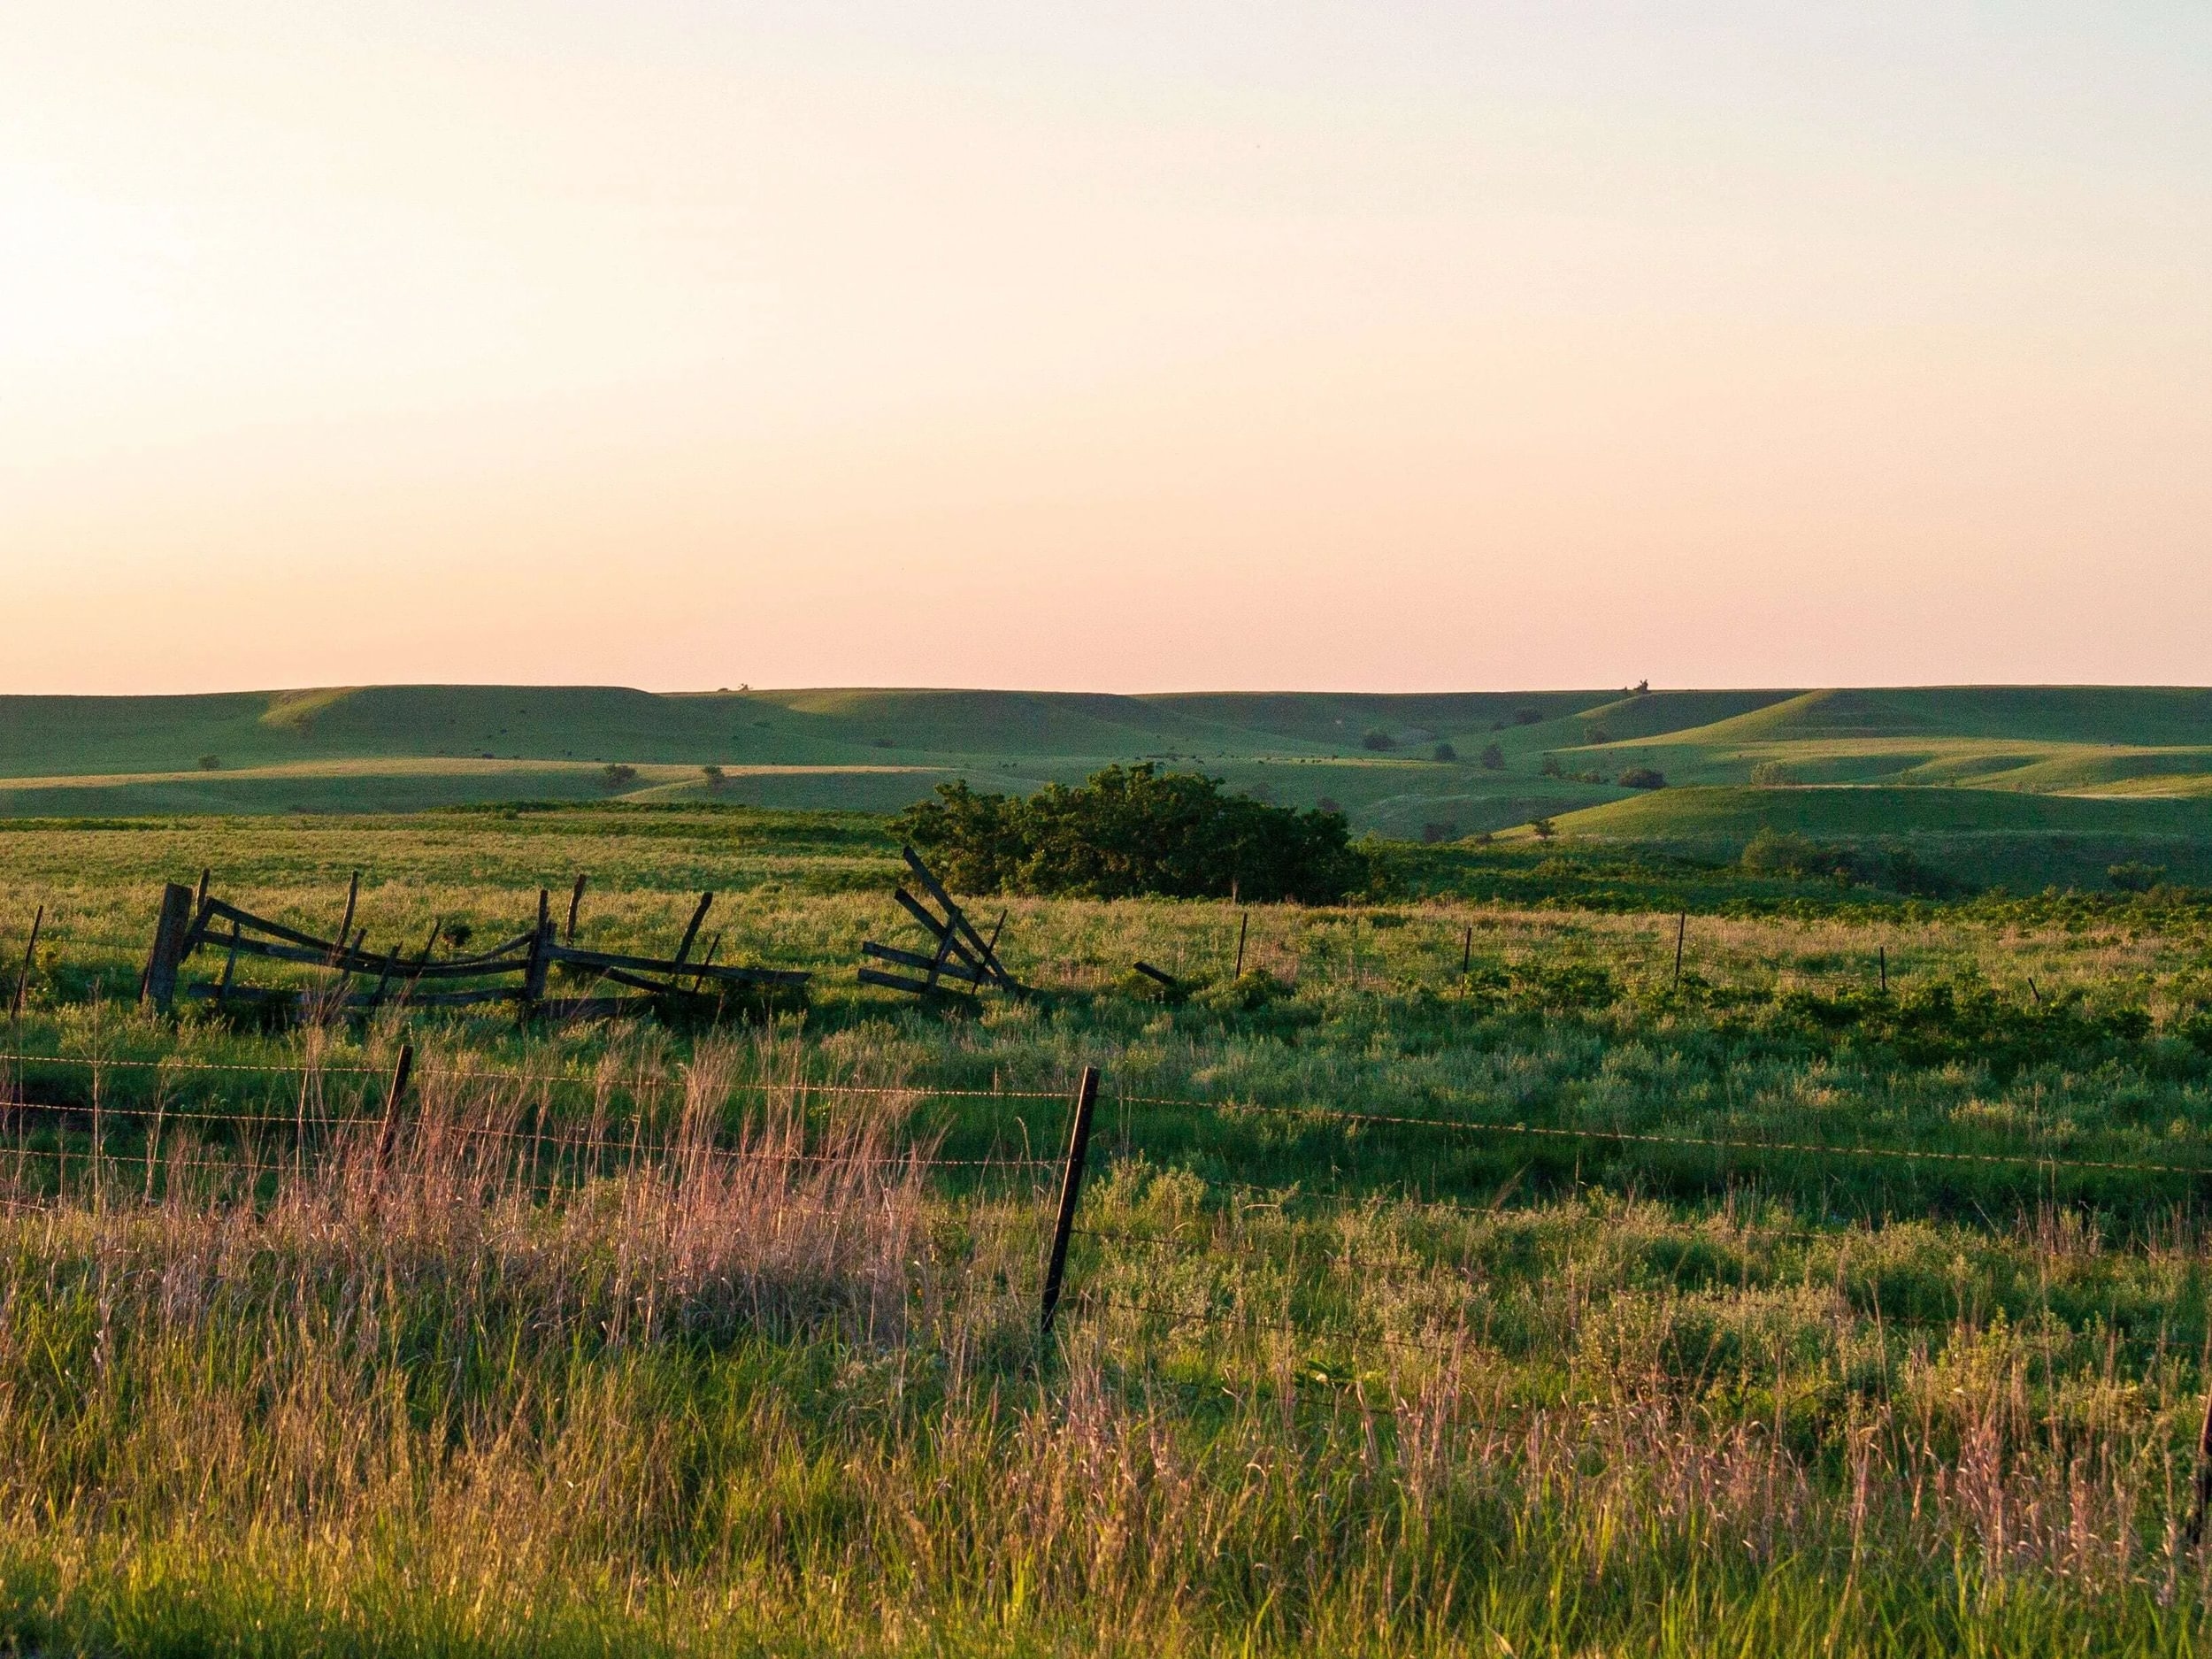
<point>575,903</point>
<point>533,974</point>
<point>1681,933</point>
<point>1881,959</point>
<point>159,985</point>
<point>345,923</point>
<point>1070,1190</point>
<point>1244,920</point>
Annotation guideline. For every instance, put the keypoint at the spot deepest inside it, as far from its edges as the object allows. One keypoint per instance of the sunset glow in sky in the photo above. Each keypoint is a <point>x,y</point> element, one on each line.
<point>685,344</point>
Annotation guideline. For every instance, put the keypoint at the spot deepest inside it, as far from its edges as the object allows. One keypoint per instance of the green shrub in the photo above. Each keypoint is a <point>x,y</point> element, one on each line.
<point>1132,831</point>
<point>616,775</point>
<point>1378,740</point>
<point>1445,751</point>
<point>211,762</point>
<point>2134,877</point>
<point>1528,717</point>
<point>1773,852</point>
<point>1494,758</point>
<point>1643,777</point>
<point>1771,775</point>
<point>715,778</point>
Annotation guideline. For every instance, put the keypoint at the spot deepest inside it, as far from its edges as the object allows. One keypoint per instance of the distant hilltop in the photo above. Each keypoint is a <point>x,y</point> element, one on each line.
<point>1434,764</point>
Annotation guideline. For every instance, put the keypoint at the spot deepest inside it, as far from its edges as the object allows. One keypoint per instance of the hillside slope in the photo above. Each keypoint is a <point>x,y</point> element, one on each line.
<point>1960,760</point>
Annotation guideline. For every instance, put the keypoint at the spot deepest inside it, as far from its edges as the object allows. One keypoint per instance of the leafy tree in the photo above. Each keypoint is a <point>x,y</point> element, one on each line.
<point>1551,766</point>
<point>211,762</point>
<point>616,774</point>
<point>1494,758</point>
<point>1431,833</point>
<point>1445,751</point>
<point>1643,777</point>
<point>1528,717</point>
<point>1378,740</point>
<point>1544,828</point>
<point>715,778</point>
<point>1135,830</point>
<point>1771,775</point>
<point>2135,877</point>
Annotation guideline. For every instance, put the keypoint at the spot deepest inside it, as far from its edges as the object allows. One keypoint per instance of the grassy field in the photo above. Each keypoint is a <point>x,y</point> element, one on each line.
<point>2010,785</point>
<point>1459,1279</point>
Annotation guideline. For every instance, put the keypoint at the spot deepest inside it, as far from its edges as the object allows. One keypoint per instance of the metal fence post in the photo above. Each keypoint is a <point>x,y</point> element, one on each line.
<point>390,1128</point>
<point>1070,1190</point>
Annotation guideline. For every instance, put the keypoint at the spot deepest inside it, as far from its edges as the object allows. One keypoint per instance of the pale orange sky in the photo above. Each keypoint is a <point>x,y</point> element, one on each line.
<point>683,344</point>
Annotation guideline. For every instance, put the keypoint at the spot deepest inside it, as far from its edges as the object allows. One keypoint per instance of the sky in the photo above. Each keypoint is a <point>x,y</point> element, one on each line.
<point>1391,347</point>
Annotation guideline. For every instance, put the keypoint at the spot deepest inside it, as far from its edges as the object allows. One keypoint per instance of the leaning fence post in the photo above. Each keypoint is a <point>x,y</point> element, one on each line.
<point>30,959</point>
<point>1070,1190</point>
<point>159,985</point>
<point>1681,933</point>
<point>384,1135</point>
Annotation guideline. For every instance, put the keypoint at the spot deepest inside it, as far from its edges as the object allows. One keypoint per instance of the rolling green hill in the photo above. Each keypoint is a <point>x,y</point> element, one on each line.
<point>2074,771</point>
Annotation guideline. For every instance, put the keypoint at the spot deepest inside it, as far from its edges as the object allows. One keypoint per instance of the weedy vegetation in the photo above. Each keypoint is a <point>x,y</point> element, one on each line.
<point>1460,1270</point>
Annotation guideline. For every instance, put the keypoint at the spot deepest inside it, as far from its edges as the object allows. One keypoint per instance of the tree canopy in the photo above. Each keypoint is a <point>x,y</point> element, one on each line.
<point>1129,831</point>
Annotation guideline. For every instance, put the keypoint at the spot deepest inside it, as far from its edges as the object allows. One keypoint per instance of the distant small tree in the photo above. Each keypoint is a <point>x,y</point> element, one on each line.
<point>457,933</point>
<point>1543,828</point>
<point>1551,766</point>
<point>616,775</point>
<point>1643,777</point>
<point>1595,733</point>
<point>1528,717</point>
<point>715,778</point>
<point>2135,877</point>
<point>1445,751</point>
<point>211,762</point>
<point>1378,740</point>
<point>1771,775</point>
<point>1431,833</point>
<point>1494,758</point>
<point>1328,803</point>
<point>1643,688</point>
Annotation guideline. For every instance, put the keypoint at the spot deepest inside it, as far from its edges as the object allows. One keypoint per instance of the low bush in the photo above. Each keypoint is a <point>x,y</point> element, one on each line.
<point>1133,831</point>
<point>1378,740</point>
<point>1643,777</point>
<point>1494,758</point>
<point>1786,853</point>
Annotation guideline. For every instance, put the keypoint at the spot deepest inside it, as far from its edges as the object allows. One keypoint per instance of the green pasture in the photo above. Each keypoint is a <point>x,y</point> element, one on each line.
<point>1464,1278</point>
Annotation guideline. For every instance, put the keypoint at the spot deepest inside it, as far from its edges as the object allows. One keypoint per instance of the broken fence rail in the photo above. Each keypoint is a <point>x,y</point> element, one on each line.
<point>393,975</point>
